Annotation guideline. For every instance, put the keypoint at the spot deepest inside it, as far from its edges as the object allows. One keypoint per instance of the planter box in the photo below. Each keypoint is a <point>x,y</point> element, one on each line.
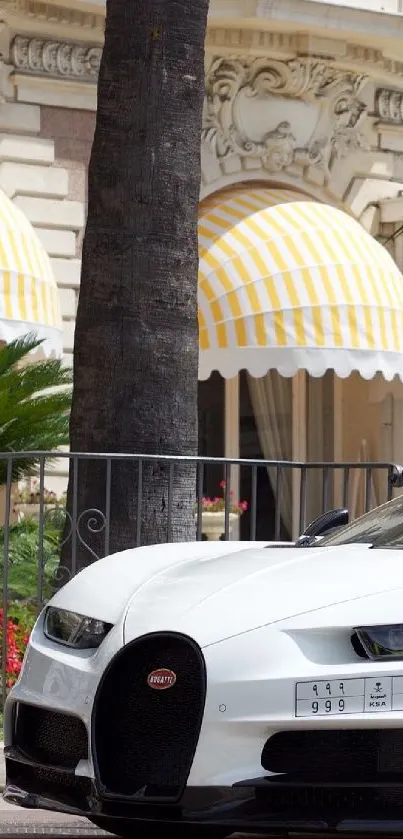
<point>213,525</point>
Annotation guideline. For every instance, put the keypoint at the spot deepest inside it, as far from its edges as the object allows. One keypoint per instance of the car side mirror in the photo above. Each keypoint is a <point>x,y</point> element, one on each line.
<point>324,523</point>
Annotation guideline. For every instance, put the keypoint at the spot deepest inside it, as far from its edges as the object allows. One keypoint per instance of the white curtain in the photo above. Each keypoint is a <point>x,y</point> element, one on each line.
<point>271,398</point>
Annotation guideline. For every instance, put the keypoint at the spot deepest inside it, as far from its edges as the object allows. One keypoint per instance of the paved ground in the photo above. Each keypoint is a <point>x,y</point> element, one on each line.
<point>16,821</point>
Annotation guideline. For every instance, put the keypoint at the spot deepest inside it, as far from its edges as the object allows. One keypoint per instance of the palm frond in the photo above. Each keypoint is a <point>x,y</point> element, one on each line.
<point>15,351</point>
<point>35,410</point>
<point>18,385</point>
<point>34,406</point>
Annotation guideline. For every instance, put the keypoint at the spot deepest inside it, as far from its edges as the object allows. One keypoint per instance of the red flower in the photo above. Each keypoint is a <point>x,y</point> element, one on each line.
<point>17,637</point>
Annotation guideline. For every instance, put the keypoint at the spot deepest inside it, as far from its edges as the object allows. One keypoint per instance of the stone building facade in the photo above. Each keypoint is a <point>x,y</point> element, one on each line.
<point>300,94</point>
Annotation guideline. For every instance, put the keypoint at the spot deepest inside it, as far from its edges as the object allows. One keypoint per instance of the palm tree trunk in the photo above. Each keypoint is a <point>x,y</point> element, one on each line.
<point>136,340</point>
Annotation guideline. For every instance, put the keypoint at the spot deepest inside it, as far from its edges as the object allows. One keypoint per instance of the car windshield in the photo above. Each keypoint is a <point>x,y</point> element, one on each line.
<point>381,528</point>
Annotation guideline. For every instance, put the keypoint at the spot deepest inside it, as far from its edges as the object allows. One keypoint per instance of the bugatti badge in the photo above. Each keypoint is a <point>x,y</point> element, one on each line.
<point>161,679</point>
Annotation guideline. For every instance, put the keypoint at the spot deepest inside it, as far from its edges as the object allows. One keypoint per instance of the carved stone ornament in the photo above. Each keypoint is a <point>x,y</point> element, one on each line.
<point>54,58</point>
<point>389,106</point>
<point>302,110</point>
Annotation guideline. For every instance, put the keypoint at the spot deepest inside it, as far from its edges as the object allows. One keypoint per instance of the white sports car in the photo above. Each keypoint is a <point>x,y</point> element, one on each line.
<point>217,687</point>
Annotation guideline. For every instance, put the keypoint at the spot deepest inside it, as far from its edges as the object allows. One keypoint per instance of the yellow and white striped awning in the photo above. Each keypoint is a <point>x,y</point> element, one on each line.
<point>289,283</point>
<point>29,298</point>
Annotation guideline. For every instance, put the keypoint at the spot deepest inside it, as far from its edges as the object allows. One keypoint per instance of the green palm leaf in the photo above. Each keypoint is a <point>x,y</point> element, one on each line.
<point>35,399</point>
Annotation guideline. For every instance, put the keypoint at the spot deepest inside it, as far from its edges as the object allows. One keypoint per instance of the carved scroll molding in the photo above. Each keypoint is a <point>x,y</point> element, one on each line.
<point>389,106</point>
<point>302,111</point>
<point>40,57</point>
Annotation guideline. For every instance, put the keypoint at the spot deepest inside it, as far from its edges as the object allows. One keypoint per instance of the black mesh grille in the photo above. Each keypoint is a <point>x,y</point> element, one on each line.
<point>335,754</point>
<point>145,739</point>
<point>332,803</point>
<point>50,738</point>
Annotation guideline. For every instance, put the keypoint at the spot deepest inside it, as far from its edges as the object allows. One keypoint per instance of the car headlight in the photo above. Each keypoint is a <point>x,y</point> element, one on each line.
<point>74,630</point>
<point>382,642</point>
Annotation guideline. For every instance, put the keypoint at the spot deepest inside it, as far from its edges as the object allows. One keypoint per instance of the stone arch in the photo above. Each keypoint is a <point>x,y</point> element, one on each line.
<point>362,199</point>
<point>261,178</point>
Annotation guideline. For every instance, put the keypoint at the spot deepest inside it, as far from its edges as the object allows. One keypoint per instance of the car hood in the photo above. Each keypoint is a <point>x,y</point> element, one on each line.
<point>217,598</point>
<point>213,591</point>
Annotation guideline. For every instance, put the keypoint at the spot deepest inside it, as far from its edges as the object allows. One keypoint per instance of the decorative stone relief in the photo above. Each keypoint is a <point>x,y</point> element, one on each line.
<point>389,106</point>
<point>55,58</point>
<point>5,69</point>
<point>302,110</point>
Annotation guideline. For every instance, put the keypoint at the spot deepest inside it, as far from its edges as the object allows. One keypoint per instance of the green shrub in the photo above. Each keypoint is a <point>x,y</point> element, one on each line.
<point>31,571</point>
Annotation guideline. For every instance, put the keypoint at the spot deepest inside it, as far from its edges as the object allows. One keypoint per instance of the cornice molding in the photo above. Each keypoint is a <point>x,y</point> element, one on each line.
<point>80,59</point>
<point>46,18</point>
<point>53,15</point>
<point>231,42</point>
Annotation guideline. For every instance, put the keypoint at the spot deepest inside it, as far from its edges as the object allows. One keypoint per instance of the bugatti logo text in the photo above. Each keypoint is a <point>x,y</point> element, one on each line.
<point>161,679</point>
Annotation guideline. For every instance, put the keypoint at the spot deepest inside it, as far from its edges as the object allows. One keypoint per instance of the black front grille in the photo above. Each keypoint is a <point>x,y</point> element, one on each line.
<point>334,754</point>
<point>144,739</point>
<point>50,738</point>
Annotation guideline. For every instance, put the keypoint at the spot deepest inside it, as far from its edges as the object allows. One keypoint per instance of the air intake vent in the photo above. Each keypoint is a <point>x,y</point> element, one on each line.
<point>359,755</point>
<point>50,738</point>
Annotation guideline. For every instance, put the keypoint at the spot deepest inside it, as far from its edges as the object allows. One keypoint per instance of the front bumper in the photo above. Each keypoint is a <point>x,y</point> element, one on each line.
<point>261,805</point>
<point>163,744</point>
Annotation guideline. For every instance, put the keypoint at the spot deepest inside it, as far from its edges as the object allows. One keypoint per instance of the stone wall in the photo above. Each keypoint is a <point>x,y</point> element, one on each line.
<point>310,104</point>
<point>44,154</point>
<point>45,177</point>
<point>71,132</point>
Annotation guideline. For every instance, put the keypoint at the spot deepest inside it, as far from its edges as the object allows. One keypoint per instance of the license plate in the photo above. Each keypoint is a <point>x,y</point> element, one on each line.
<point>349,696</point>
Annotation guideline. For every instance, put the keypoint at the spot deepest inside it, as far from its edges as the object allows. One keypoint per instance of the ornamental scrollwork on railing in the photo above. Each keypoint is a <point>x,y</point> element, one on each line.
<point>89,522</point>
<point>58,520</point>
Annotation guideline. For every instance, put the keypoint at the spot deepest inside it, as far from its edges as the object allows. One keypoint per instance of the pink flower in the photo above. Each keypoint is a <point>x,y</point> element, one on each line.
<point>223,484</point>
